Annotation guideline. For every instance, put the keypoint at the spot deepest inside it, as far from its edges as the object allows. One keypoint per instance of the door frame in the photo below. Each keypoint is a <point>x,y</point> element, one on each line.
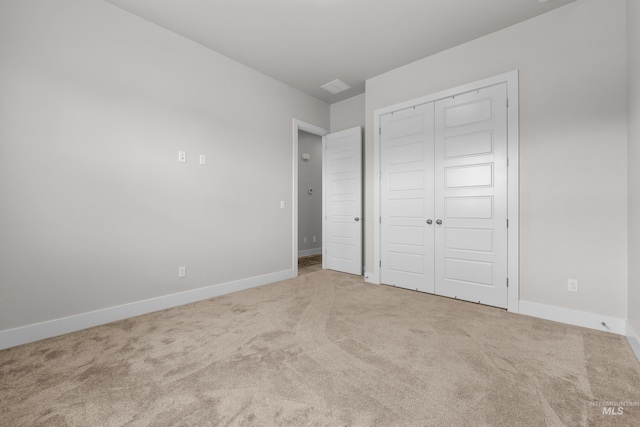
<point>299,125</point>
<point>513,184</point>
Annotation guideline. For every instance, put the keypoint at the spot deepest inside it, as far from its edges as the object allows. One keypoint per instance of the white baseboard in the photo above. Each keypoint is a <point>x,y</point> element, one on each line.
<point>309,252</point>
<point>52,328</point>
<point>634,339</point>
<point>585,319</point>
<point>631,332</point>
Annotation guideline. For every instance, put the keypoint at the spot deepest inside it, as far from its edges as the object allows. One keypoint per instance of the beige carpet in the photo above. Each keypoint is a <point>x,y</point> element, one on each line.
<point>323,349</point>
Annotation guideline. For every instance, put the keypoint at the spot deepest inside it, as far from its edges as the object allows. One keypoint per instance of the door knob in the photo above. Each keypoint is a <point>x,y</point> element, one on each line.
<point>356,218</point>
<point>439,221</point>
<point>429,222</point>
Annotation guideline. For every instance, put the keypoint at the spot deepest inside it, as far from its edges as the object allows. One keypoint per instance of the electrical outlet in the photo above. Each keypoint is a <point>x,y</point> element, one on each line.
<point>203,159</point>
<point>304,240</point>
<point>182,271</point>
<point>182,156</point>
<point>572,285</point>
<point>314,239</point>
<point>282,204</point>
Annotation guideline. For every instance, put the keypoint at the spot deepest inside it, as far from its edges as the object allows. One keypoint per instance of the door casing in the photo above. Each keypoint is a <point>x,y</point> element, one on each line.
<point>511,79</point>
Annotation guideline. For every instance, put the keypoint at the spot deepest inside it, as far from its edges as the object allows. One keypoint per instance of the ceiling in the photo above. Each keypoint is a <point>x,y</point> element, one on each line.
<point>307,43</point>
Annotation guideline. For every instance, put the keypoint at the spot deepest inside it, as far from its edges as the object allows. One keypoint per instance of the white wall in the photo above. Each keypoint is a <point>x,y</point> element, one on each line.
<point>573,130</point>
<point>309,204</point>
<point>348,113</point>
<point>95,209</point>
<point>633,48</point>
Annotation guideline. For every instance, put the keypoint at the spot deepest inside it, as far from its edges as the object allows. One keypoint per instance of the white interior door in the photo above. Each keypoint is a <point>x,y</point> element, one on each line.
<point>342,233</point>
<point>471,196</point>
<point>406,222</point>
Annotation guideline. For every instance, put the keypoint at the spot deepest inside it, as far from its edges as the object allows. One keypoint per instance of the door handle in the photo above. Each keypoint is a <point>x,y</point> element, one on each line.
<point>429,222</point>
<point>439,222</point>
<point>356,219</point>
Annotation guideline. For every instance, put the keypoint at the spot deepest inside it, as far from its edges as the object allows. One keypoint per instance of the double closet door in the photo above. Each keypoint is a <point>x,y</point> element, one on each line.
<point>443,188</point>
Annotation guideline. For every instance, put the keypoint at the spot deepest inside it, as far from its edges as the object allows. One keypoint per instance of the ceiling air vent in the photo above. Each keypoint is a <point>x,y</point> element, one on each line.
<point>335,86</point>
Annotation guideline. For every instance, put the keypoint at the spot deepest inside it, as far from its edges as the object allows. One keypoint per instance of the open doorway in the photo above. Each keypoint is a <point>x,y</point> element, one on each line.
<point>307,194</point>
<point>309,202</point>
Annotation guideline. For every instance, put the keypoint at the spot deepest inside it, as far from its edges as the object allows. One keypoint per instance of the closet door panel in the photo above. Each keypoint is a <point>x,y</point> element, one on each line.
<point>407,255</point>
<point>470,167</point>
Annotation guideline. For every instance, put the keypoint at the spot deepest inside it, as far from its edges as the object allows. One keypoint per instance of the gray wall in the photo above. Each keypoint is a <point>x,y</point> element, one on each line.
<point>348,114</point>
<point>309,205</point>
<point>633,48</point>
<point>573,145</point>
<point>95,209</point>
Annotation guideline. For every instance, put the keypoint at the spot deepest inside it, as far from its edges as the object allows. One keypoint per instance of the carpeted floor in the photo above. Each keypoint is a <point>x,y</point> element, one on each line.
<point>323,349</point>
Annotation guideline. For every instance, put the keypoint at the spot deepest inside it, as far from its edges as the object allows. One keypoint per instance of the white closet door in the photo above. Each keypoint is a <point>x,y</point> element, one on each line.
<point>343,201</point>
<point>471,196</point>
<point>407,199</point>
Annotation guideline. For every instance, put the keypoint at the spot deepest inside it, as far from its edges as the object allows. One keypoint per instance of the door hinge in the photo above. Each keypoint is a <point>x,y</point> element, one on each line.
<point>507,102</point>
<point>379,131</point>
<point>507,162</point>
<point>507,223</point>
<point>380,263</point>
<point>507,282</point>
<point>380,220</point>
